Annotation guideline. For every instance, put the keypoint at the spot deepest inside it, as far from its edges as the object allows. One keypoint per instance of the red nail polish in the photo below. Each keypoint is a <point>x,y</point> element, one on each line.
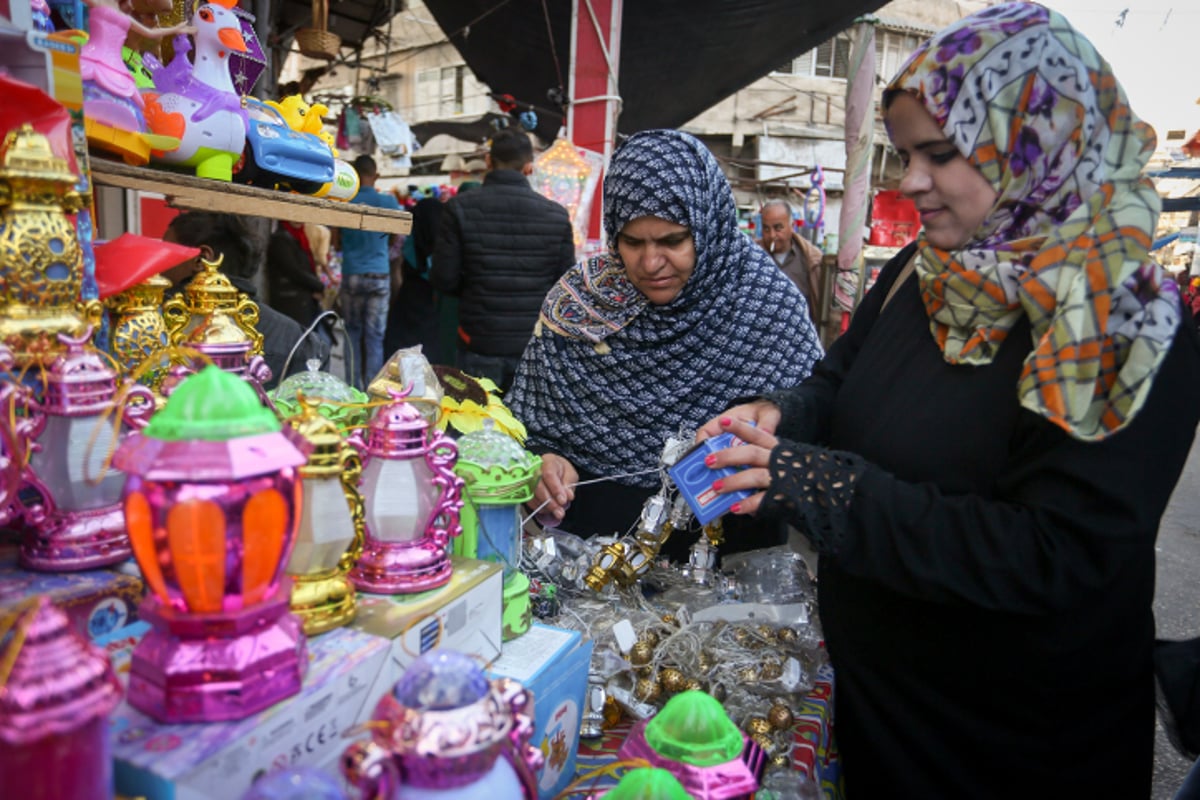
<point>726,421</point>
<point>736,508</point>
<point>717,484</point>
<point>710,459</point>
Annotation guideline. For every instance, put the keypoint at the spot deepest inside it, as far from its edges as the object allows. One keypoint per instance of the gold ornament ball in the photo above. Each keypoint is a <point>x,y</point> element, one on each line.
<point>780,717</point>
<point>771,669</point>
<point>650,638</point>
<point>781,761</point>
<point>766,633</point>
<point>646,690</point>
<point>669,619</point>
<point>672,680</point>
<point>748,674</point>
<point>788,635</point>
<point>742,636</point>
<point>641,654</point>
<point>756,725</point>
<point>706,661</point>
<point>693,685</point>
<point>765,742</point>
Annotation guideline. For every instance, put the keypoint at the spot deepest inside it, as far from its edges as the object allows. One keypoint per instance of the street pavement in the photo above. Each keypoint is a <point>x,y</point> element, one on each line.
<point>1177,600</point>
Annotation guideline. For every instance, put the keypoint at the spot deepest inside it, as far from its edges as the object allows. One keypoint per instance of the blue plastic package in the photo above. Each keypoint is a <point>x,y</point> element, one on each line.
<point>694,479</point>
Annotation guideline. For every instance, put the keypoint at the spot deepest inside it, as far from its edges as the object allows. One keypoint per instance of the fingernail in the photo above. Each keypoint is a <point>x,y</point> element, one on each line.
<point>717,484</point>
<point>561,499</point>
<point>736,508</point>
<point>710,459</point>
<point>726,421</point>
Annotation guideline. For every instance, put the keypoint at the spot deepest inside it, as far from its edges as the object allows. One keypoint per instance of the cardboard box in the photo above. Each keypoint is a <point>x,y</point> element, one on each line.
<point>347,674</point>
<point>463,615</point>
<point>97,602</point>
<point>552,663</point>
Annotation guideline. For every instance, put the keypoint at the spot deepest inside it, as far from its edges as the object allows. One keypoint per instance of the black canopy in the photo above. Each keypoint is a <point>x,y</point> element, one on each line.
<point>678,57</point>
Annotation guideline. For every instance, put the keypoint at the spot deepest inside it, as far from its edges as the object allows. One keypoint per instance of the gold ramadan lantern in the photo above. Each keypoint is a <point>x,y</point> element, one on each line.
<point>213,317</point>
<point>330,534</point>
<point>41,264</point>
<point>139,331</point>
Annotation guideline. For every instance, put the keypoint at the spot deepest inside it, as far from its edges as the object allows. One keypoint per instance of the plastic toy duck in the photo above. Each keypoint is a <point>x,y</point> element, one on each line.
<point>197,103</point>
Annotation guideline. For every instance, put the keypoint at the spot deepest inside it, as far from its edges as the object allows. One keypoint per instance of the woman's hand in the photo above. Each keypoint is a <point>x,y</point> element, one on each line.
<point>763,413</point>
<point>754,454</point>
<point>556,488</point>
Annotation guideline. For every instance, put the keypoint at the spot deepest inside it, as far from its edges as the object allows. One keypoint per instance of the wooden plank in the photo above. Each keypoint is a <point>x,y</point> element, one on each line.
<point>202,194</point>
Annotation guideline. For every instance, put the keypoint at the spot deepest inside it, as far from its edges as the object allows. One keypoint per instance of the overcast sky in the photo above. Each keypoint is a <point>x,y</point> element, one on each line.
<point>1155,53</point>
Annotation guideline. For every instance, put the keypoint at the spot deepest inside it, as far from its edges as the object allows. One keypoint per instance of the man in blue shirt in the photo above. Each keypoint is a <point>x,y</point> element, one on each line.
<point>366,280</point>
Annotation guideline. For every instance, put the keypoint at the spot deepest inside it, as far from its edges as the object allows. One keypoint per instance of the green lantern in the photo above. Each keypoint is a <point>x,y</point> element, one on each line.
<point>498,476</point>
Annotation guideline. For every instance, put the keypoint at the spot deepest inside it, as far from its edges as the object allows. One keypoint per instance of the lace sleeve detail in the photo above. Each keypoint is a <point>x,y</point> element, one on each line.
<point>812,488</point>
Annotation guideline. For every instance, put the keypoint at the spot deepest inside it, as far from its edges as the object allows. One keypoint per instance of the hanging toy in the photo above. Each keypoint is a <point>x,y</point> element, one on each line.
<point>529,120</point>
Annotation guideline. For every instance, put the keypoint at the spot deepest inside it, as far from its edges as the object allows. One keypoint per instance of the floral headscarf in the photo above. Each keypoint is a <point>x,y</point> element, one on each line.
<point>608,375</point>
<point>1031,104</point>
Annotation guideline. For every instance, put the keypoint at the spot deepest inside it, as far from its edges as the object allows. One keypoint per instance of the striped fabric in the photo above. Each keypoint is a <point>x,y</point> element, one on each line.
<point>1028,100</point>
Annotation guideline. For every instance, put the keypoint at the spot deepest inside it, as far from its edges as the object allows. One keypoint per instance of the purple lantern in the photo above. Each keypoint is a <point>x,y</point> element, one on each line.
<point>245,67</point>
<point>56,691</point>
<point>447,731</point>
<point>412,499</point>
<point>78,523</point>
<point>210,504</point>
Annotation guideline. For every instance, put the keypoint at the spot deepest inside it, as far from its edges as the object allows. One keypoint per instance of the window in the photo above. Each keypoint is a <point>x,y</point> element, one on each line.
<point>892,49</point>
<point>830,59</point>
<point>440,92</point>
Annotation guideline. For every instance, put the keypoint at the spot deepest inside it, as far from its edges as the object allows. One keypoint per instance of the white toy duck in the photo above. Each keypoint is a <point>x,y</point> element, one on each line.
<point>196,103</point>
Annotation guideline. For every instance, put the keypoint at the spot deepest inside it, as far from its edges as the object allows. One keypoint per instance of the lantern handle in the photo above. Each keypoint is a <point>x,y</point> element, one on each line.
<point>440,455</point>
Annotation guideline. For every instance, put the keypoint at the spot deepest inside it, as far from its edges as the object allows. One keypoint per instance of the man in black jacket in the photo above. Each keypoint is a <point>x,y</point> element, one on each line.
<point>500,249</point>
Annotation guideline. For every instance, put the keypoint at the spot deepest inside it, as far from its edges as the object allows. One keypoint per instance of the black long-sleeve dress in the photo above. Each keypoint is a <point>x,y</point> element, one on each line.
<point>986,581</point>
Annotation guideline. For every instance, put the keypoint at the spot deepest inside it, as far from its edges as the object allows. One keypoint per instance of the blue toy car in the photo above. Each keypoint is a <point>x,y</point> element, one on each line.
<point>278,157</point>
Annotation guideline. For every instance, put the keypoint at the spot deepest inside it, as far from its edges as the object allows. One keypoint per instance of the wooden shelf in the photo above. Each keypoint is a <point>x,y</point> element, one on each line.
<point>202,194</point>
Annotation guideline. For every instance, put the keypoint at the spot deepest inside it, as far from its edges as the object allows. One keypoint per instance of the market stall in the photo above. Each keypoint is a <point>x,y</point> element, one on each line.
<point>212,590</point>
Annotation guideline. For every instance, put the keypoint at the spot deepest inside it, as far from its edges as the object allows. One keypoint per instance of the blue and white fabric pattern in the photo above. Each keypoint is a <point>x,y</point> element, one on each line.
<point>608,376</point>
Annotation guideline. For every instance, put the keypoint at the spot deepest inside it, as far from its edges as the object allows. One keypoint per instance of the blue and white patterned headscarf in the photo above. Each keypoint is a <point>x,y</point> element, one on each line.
<point>608,376</point>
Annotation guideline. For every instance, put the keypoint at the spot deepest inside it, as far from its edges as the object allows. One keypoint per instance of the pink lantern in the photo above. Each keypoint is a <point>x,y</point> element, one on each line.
<point>210,504</point>
<point>448,732</point>
<point>412,499</point>
<point>78,524</point>
<point>56,691</point>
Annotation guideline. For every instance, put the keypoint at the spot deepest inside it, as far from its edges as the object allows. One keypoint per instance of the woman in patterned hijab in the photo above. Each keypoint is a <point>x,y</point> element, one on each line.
<point>627,354</point>
<point>982,460</point>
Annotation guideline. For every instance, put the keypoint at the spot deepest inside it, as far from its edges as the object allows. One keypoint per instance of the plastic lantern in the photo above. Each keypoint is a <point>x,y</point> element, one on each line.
<point>647,782</point>
<point>412,499</point>
<point>41,263</point>
<point>335,399</point>
<point>78,523</point>
<point>56,692</point>
<point>330,532</point>
<point>210,506</point>
<point>498,476</point>
<point>694,739</point>
<point>448,732</point>
<point>213,317</point>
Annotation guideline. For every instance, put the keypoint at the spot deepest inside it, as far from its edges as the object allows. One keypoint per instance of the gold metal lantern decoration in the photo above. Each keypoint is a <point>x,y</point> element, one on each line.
<point>41,263</point>
<point>330,535</point>
<point>213,317</point>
